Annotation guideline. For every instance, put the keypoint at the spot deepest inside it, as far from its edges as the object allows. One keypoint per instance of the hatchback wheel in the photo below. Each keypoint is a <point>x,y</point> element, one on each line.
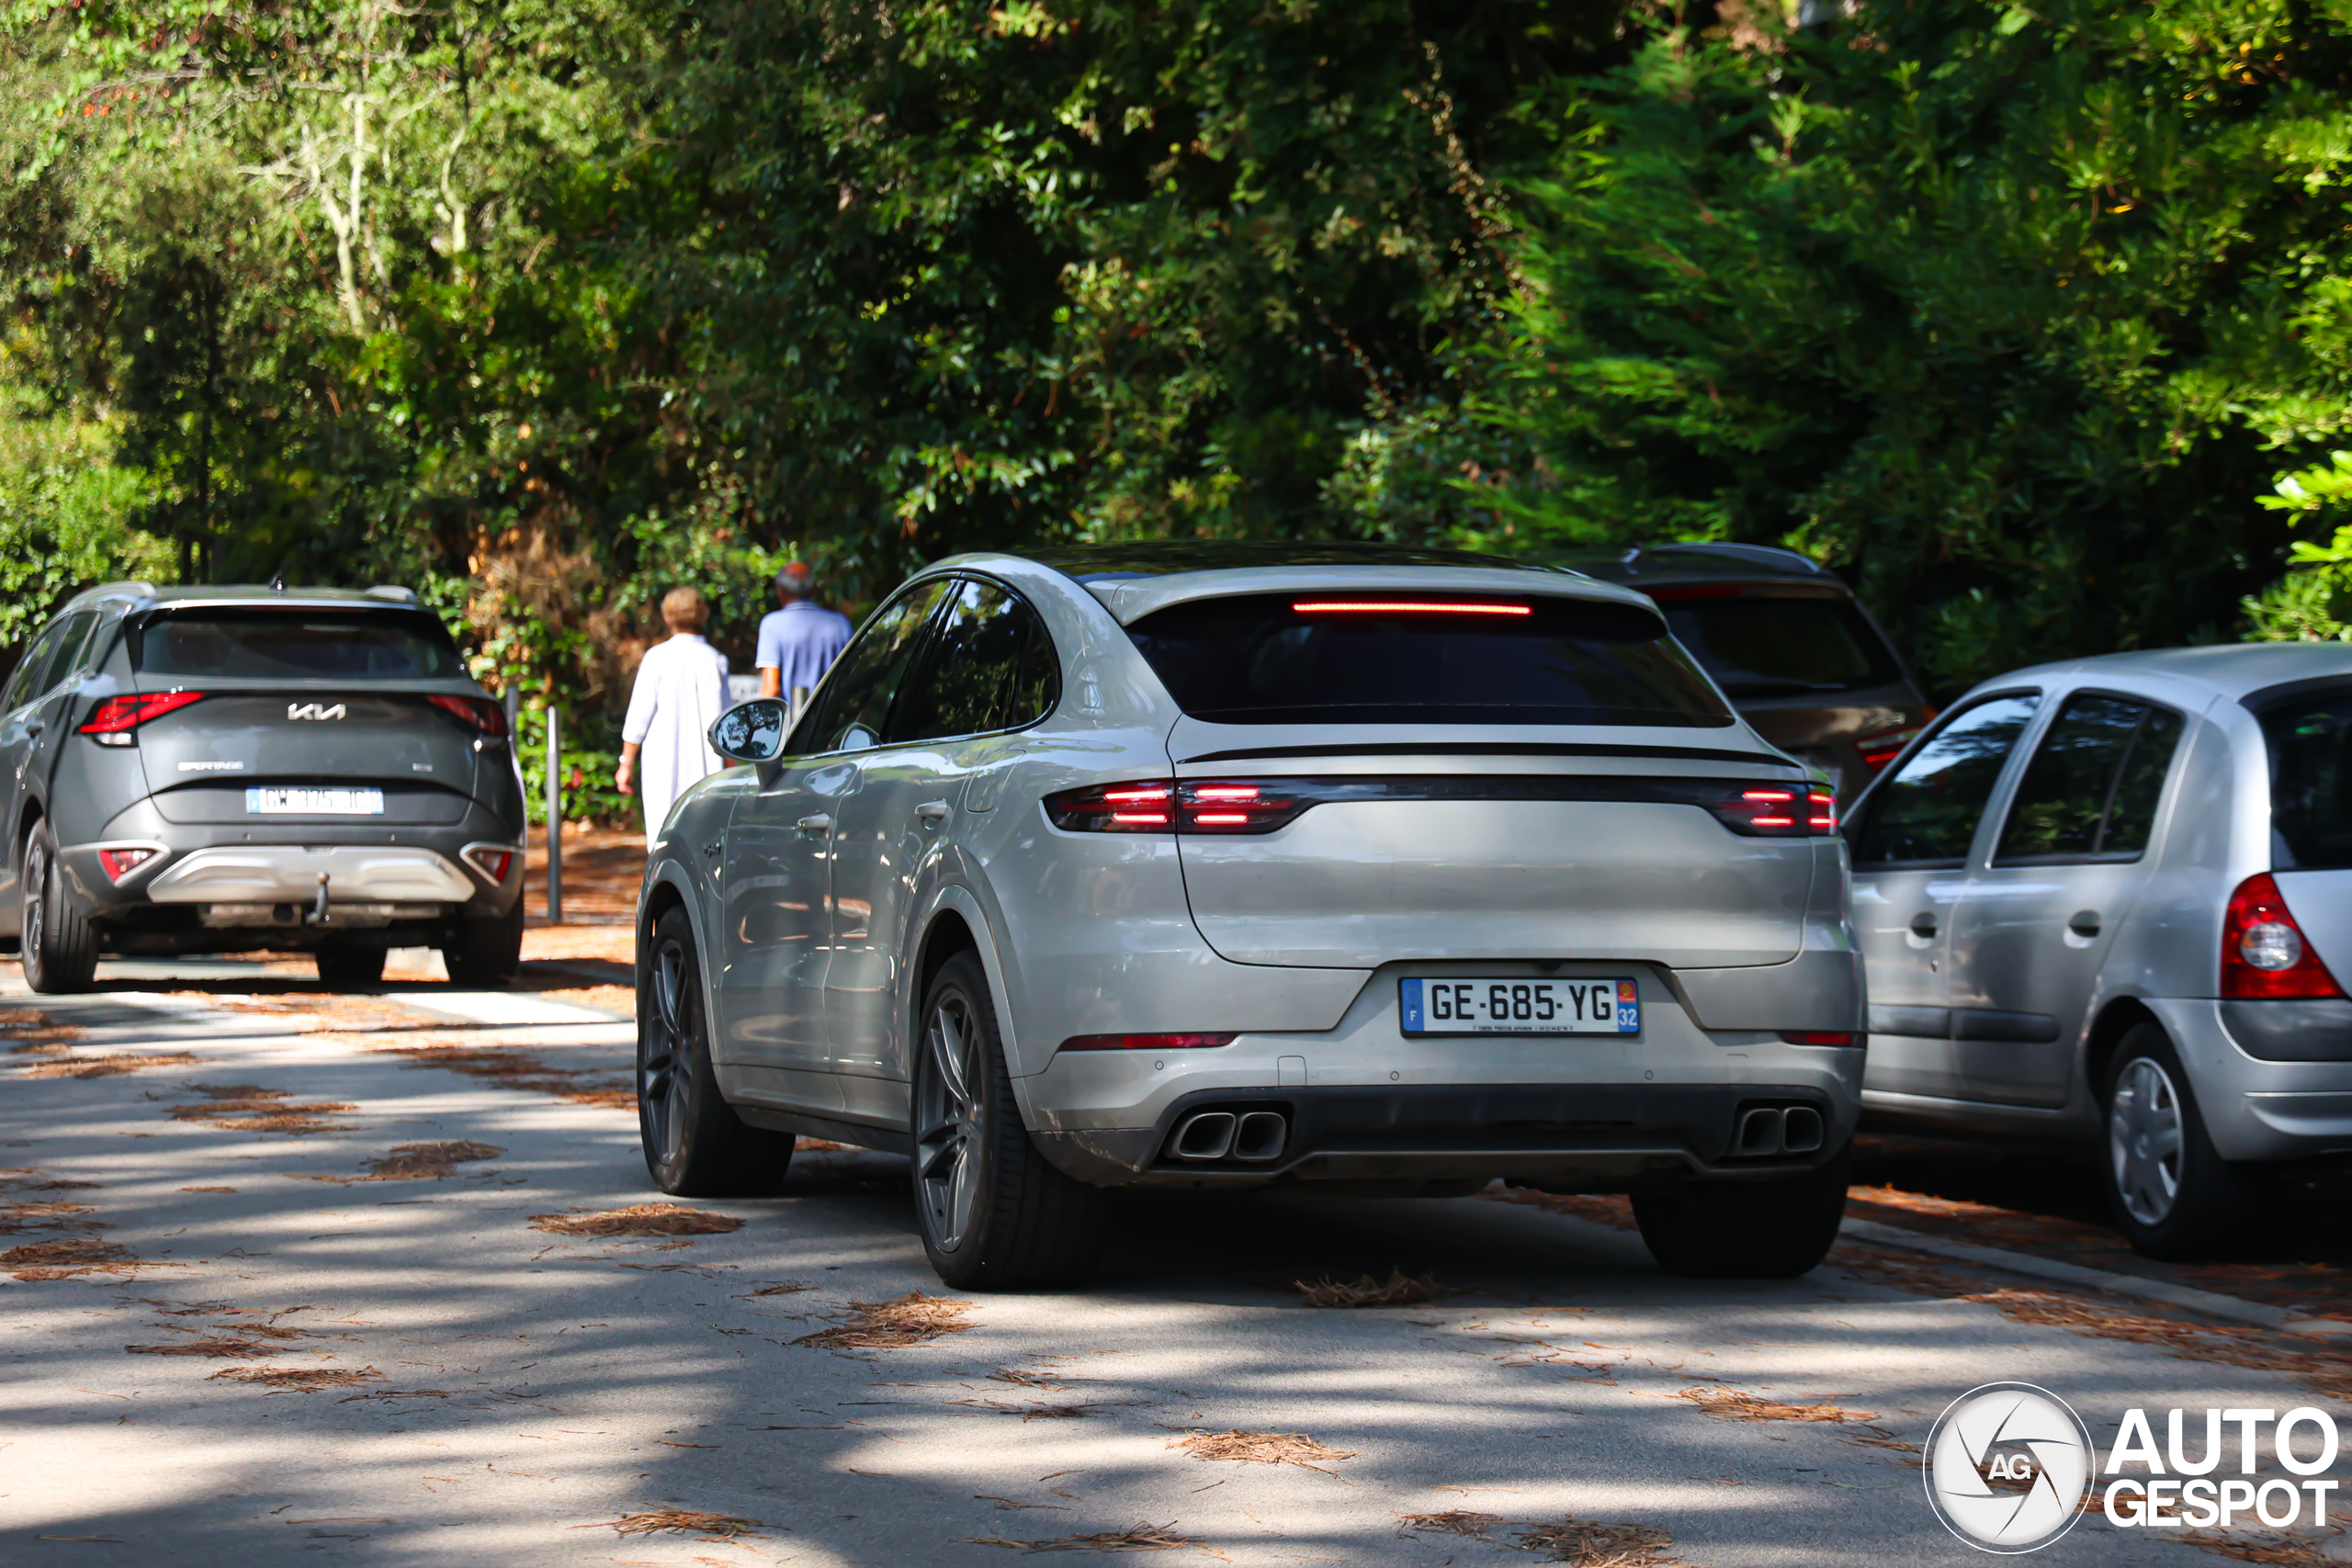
<point>1772,1229</point>
<point>2173,1197</point>
<point>695,1146</point>
<point>994,1214</point>
<point>59,943</point>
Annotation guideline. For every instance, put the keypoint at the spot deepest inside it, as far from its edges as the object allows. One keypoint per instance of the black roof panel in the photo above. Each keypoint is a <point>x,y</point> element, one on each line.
<point>1166,557</point>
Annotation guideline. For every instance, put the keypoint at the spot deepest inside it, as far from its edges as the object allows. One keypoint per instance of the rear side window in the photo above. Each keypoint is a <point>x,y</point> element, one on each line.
<point>233,642</point>
<point>1359,657</point>
<point>980,673</point>
<point>1757,645</point>
<point>1926,814</point>
<point>25,684</point>
<point>2090,792</point>
<point>2310,740</point>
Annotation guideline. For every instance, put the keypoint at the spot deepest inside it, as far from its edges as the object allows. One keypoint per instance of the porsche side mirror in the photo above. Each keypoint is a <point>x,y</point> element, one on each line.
<point>753,731</point>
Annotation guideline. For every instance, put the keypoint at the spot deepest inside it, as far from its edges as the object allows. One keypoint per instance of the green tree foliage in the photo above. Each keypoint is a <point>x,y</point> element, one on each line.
<point>2005,311</point>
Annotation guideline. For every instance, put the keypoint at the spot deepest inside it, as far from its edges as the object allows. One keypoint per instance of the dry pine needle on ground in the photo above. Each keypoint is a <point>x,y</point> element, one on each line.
<point>903,1320</point>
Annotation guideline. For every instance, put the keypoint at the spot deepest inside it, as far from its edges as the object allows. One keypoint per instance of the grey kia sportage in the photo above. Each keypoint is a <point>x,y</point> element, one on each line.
<point>209,769</point>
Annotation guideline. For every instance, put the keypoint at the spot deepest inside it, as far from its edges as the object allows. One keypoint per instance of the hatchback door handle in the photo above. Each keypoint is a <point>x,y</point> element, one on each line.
<point>818,824</point>
<point>35,726</point>
<point>713,847</point>
<point>2083,922</point>
<point>1923,926</point>
<point>933,812</point>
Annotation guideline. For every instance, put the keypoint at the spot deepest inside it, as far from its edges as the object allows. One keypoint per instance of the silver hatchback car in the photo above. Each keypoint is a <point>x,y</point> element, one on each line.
<point>2109,900</point>
<point>1208,867</point>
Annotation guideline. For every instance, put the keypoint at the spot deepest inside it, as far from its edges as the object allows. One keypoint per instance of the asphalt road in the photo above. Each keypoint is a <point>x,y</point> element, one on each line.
<point>219,1347</point>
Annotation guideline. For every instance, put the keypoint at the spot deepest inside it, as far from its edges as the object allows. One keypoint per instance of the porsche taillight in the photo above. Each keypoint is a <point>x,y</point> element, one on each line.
<point>1778,811</point>
<point>1170,805</point>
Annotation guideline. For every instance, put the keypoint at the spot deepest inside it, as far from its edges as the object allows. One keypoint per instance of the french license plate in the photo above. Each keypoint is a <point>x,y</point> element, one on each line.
<point>261,802</point>
<point>1485,1005</point>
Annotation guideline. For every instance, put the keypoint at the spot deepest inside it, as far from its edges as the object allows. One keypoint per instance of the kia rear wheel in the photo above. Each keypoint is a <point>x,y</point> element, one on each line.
<point>487,952</point>
<point>1772,1229</point>
<point>993,1214</point>
<point>2173,1196</point>
<point>59,943</point>
<point>346,966</point>
<point>695,1146</point>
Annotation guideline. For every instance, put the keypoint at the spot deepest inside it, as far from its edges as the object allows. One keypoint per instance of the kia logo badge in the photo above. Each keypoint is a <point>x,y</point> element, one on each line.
<point>313,710</point>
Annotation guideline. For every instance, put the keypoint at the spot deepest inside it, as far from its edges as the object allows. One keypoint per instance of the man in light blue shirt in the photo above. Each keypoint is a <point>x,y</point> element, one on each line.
<point>799,642</point>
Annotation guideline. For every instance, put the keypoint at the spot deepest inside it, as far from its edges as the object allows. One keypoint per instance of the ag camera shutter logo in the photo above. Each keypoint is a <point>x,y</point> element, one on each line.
<point>2007,1467</point>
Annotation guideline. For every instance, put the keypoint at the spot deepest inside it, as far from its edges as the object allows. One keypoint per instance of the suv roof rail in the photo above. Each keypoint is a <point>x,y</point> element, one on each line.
<point>387,590</point>
<point>1772,557</point>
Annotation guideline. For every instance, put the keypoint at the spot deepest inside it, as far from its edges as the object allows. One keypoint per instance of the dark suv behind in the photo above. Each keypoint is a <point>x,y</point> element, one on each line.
<point>1800,658</point>
<point>206,770</point>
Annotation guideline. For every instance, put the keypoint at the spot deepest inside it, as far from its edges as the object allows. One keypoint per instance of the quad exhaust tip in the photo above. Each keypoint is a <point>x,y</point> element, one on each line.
<point>1216,1134</point>
<point>1770,1130</point>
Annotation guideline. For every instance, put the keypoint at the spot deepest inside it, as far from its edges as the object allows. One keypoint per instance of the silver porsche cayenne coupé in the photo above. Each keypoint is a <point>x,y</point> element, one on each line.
<point>1213,866</point>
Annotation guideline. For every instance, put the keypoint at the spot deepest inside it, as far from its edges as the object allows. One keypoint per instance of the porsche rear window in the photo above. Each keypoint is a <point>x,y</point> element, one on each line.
<point>216,642</point>
<point>1398,658</point>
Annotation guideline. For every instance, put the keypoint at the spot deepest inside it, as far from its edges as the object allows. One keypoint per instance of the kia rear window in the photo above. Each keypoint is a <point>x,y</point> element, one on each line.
<point>1396,657</point>
<point>1759,646</point>
<point>235,643</point>
<point>2309,739</point>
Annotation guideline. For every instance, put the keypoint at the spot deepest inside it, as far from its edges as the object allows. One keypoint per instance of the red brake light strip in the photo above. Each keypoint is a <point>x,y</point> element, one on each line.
<point>1401,606</point>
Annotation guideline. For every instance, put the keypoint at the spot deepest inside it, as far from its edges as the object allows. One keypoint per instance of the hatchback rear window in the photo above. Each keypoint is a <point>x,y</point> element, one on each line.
<point>233,642</point>
<point>2309,738</point>
<point>1759,646</point>
<point>1340,657</point>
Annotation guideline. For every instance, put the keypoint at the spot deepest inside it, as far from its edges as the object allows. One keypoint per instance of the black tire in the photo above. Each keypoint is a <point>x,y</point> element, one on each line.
<point>341,965</point>
<point>1772,1229</point>
<point>2173,1197</point>
<point>994,1215</point>
<point>694,1145</point>
<point>60,943</point>
<point>487,952</point>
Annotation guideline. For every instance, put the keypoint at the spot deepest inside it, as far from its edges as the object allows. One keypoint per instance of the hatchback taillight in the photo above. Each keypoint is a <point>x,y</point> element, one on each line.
<point>112,721</point>
<point>2265,956</point>
<point>478,713</point>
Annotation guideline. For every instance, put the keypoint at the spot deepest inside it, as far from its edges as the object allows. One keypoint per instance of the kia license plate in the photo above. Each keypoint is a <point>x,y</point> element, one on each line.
<point>1515,1006</point>
<point>314,802</point>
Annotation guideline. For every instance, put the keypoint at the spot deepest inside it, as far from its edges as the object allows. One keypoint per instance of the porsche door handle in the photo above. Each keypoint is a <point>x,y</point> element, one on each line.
<point>817,824</point>
<point>2084,923</point>
<point>1924,927</point>
<point>932,811</point>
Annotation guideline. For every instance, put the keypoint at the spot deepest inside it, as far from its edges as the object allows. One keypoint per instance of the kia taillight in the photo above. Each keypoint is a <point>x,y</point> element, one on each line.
<point>112,721</point>
<point>1145,1042</point>
<point>1778,811</point>
<point>2265,956</point>
<point>492,861</point>
<point>120,863</point>
<point>1877,750</point>
<point>476,713</point>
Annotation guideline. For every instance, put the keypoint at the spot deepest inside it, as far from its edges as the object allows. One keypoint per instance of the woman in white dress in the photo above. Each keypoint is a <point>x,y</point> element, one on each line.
<point>681,691</point>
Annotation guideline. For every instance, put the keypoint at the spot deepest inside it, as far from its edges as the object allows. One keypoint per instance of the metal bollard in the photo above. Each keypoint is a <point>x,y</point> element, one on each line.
<point>555,816</point>
<point>800,703</point>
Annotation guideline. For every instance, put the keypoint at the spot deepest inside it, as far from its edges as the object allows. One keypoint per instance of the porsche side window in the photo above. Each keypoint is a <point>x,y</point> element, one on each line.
<point>853,707</point>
